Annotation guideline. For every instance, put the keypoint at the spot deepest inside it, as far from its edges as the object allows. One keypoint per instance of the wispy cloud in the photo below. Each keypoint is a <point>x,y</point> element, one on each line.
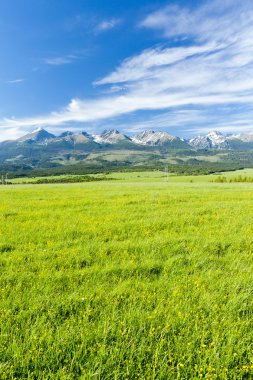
<point>16,81</point>
<point>105,25</point>
<point>215,20</point>
<point>192,121</point>
<point>91,23</point>
<point>210,69</point>
<point>143,65</point>
<point>10,133</point>
<point>57,61</point>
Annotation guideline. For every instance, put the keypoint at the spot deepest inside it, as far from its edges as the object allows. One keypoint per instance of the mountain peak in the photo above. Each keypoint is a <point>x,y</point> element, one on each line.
<point>201,142</point>
<point>214,139</point>
<point>215,133</point>
<point>149,137</point>
<point>37,135</point>
<point>66,134</point>
<point>110,136</point>
<point>218,140</point>
<point>39,129</point>
<point>110,131</point>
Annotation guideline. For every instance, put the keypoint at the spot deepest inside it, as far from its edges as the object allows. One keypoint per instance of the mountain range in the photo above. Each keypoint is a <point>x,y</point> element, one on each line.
<point>41,148</point>
<point>149,138</point>
<point>217,140</point>
<point>213,139</point>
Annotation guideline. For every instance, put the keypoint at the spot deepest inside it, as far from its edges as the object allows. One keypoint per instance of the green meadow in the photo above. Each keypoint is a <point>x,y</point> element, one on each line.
<point>148,276</point>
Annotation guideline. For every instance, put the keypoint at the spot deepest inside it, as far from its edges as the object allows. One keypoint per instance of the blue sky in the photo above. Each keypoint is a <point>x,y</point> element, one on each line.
<point>185,67</point>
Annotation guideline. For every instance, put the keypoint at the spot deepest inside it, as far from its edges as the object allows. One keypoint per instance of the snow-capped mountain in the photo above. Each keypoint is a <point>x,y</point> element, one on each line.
<point>200,142</point>
<point>38,135</point>
<point>218,140</point>
<point>111,136</point>
<point>213,139</point>
<point>152,138</point>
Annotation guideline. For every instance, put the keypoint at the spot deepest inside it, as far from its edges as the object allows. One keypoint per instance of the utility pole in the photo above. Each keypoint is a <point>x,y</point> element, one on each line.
<point>166,173</point>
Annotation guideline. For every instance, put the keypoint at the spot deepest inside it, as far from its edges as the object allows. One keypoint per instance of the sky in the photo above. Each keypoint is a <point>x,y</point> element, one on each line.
<point>183,66</point>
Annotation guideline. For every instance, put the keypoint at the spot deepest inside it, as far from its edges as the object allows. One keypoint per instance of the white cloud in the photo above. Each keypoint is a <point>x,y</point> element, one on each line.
<point>105,25</point>
<point>10,133</point>
<point>57,61</point>
<point>15,81</point>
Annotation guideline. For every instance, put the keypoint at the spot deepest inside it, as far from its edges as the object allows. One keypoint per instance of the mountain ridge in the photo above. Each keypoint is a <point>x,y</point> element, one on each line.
<point>149,138</point>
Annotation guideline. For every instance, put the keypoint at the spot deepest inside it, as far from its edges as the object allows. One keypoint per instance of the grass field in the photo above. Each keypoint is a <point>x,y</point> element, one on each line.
<point>139,278</point>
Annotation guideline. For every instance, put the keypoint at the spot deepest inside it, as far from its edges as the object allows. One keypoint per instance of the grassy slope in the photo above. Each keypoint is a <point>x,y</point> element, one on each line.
<point>134,279</point>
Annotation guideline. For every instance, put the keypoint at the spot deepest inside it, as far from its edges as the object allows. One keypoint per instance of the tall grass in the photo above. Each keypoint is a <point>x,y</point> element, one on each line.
<point>126,280</point>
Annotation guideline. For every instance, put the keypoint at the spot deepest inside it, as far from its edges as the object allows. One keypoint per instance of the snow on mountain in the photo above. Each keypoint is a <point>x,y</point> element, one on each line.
<point>218,140</point>
<point>200,142</point>
<point>152,138</point>
<point>213,139</point>
<point>111,136</point>
<point>38,135</point>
